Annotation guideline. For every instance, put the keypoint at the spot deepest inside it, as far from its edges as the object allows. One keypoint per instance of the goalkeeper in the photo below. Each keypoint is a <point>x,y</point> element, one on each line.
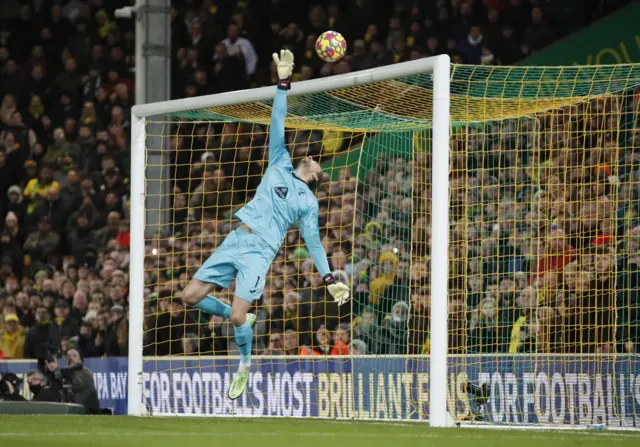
<point>284,196</point>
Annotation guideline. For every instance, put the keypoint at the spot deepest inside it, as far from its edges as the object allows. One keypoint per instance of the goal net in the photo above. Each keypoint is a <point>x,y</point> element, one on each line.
<point>491,248</point>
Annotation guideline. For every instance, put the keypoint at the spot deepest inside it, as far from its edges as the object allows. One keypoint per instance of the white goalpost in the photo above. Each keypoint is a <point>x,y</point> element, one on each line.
<point>439,67</point>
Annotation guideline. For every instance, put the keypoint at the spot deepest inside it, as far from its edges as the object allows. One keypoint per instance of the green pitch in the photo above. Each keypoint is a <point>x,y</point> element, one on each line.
<point>87,431</point>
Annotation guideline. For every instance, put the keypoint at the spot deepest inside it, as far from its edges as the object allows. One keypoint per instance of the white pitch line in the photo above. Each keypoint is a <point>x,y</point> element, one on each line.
<point>442,435</point>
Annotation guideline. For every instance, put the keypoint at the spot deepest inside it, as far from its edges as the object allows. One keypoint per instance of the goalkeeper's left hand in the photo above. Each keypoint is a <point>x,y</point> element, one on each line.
<point>284,65</point>
<point>339,291</point>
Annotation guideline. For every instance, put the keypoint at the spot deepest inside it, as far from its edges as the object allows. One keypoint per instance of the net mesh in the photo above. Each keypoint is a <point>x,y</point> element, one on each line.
<point>543,253</point>
<point>478,94</point>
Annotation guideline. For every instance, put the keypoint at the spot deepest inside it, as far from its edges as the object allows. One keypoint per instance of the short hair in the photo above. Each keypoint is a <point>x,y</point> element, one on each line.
<point>36,372</point>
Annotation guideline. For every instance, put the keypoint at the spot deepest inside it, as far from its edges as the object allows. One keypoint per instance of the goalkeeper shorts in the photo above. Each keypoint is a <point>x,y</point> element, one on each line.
<point>244,256</point>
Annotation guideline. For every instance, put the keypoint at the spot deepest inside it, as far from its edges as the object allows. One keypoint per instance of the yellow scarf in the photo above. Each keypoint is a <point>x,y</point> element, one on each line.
<point>36,111</point>
<point>379,285</point>
<point>515,334</point>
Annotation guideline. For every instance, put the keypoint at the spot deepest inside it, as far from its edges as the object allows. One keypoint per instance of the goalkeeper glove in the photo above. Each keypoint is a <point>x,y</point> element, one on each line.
<point>339,291</point>
<point>284,64</point>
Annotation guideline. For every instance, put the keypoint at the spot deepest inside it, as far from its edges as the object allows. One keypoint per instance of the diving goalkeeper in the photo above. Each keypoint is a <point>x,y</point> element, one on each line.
<point>283,197</point>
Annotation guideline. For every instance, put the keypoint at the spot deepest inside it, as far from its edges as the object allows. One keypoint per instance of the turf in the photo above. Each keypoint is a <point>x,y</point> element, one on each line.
<point>70,431</point>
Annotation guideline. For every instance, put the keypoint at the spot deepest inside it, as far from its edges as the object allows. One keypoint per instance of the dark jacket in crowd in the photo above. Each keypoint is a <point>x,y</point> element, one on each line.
<point>40,340</point>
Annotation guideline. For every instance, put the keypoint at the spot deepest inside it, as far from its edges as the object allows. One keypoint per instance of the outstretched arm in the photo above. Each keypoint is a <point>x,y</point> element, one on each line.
<point>277,149</point>
<point>311,235</point>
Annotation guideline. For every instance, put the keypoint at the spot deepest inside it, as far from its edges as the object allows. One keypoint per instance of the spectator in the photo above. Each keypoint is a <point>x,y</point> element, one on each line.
<point>43,243</point>
<point>80,306</point>
<point>524,331</point>
<point>197,40</point>
<point>12,338</point>
<point>483,327</point>
<point>81,236</point>
<point>599,305</point>
<point>66,325</point>
<point>237,45</point>
<point>42,337</point>
<point>393,336</point>
<point>276,344</point>
<point>558,253</point>
<point>71,193</point>
<point>70,81</point>
<point>292,344</point>
<point>212,195</point>
<point>229,70</point>
<point>471,48</point>
<point>10,246</point>
<point>628,301</point>
<point>323,345</point>
<point>539,34</point>
<point>37,189</point>
<point>296,315</point>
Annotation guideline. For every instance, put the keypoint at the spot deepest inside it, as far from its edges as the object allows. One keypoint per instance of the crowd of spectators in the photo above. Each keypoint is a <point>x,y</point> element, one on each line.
<point>544,252</point>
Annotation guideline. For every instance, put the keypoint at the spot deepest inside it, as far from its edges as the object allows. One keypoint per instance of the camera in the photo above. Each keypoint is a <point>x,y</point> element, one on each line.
<point>478,397</point>
<point>5,389</point>
<point>10,388</point>
<point>59,378</point>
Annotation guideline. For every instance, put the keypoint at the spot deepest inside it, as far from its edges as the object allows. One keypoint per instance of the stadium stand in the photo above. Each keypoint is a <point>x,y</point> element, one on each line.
<point>67,90</point>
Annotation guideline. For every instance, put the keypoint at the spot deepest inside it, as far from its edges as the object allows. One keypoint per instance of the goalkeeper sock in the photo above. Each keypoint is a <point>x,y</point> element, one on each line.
<point>244,337</point>
<point>214,306</point>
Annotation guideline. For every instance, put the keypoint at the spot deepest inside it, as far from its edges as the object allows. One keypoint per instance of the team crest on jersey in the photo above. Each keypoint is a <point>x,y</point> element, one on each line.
<point>281,191</point>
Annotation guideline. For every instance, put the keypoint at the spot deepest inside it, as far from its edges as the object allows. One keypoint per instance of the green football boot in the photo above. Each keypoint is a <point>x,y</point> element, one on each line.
<point>239,382</point>
<point>238,385</point>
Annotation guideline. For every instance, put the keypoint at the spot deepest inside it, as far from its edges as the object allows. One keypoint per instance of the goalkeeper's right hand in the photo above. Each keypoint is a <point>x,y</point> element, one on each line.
<point>284,64</point>
<point>339,291</point>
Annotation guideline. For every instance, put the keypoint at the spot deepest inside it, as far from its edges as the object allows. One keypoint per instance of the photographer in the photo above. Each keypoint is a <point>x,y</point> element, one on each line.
<point>81,379</point>
<point>10,388</point>
<point>42,389</point>
<point>75,382</point>
<point>54,377</point>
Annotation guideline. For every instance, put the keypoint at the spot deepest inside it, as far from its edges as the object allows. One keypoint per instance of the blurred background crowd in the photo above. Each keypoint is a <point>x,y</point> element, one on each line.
<point>545,241</point>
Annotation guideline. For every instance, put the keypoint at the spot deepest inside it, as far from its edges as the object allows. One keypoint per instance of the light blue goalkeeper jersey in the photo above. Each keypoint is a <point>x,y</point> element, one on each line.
<point>282,198</point>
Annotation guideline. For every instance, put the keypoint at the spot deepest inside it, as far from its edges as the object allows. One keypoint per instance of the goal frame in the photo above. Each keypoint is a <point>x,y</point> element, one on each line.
<point>440,67</point>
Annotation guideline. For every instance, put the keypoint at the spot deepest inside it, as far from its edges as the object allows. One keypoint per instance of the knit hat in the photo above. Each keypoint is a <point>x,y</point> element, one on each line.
<point>401,304</point>
<point>373,225</point>
<point>117,308</point>
<point>11,317</point>
<point>91,315</point>
<point>360,345</point>
<point>15,189</point>
<point>388,256</point>
<point>300,253</point>
<point>341,276</point>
